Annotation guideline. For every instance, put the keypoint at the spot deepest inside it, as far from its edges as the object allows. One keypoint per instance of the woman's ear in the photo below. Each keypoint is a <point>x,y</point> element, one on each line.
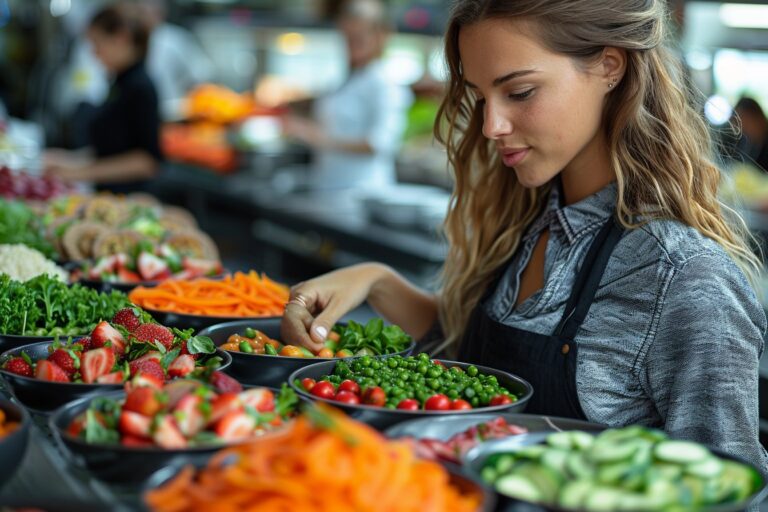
<point>612,66</point>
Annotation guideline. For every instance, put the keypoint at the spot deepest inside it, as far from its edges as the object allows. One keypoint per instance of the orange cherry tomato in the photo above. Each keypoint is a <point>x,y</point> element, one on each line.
<point>291,351</point>
<point>325,352</point>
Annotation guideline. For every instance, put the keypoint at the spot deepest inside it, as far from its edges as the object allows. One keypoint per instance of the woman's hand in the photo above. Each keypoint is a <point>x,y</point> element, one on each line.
<point>68,166</point>
<point>316,305</point>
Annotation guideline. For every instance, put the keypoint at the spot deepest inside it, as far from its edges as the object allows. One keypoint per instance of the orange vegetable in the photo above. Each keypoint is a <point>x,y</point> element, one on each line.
<point>6,427</point>
<point>291,351</point>
<point>346,466</point>
<point>325,352</point>
<point>248,295</point>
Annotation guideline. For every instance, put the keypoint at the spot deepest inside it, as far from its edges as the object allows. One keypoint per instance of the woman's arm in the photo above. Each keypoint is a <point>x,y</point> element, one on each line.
<point>702,365</point>
<point>133,165</point>
<point>317,304</point>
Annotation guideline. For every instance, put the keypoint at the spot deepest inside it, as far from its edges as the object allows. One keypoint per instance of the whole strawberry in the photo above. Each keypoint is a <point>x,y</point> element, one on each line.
<point>147,367</point>
<point>150,333</point>
<point>223,383</point>
<point>64,359</point>
<point>18,366</point>
<point>128,318</point>
<point>84,342</point>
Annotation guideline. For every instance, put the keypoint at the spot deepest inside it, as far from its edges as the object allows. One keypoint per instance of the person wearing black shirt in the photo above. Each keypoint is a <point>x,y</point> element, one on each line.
<point>124,133</point>
<point>753,145</point>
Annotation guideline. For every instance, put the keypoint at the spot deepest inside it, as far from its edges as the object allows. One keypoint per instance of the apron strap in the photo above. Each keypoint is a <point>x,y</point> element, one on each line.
<point>588,279</point>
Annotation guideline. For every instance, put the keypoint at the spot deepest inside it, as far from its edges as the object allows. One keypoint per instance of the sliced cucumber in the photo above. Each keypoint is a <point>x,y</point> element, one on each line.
<point>636,502</point>
<point>520,487</point>
<point>575,493</point>
<point>609,451</point>
<point>489,474</point>
<point>531,452</point>
<point>555,459</point>
<point>546,480</point>
<point>603,499</point>
<point>707,468</point>
<point>504,463</point>
<point>562,440</point>
<point>680,452</point>
<point>614,474</point>
<point>578,466</point>
<point>581,440</point>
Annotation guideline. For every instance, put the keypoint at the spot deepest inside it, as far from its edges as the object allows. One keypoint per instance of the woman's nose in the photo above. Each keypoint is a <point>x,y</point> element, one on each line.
<point>495,122</point>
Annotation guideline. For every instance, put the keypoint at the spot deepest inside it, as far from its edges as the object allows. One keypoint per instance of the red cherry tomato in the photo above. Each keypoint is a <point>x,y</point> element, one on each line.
<point>350,385</point>
<point>500,400</point>
<point>374,396</point>
<point>347,397</point>
<point>408,404</point>
<point>437,402</point>
<point>438,363</point>
<point>308,383</point>
<point>323,389</point>
<point>460,405</point>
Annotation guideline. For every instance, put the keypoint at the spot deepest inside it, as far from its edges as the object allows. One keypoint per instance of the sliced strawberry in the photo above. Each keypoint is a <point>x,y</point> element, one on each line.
<point>150,333</point>
<point>95,363</point>
<point>144,400</point>
<point>112,378</point>
<point>167,434</point>
<point>47,370</point>
<point>105,333</point>
<point>178,389</point>
<point>134,424</point>
<point>189,416</point>
<point>201,267</point>
<point>261,399</point>
<point>235,426</point>
<point>149,366</point>
<point>223,383</point>
<point>65,361</point>
<point>224,404</point>
<point>143,380</point>
<point>127,276</point>
<point>181,366</point>
<point>18,366</point>
<point>127,318</point>
<point>150,266</point>
<point>136,442</point>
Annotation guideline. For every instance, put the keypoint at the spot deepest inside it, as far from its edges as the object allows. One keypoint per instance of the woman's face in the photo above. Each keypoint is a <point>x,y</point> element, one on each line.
<point>542,111</point>
<point>114,51</point>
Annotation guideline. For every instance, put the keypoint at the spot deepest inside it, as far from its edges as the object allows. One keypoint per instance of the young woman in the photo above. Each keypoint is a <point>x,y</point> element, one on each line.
<point>588,250</point>
<point>124,132</point>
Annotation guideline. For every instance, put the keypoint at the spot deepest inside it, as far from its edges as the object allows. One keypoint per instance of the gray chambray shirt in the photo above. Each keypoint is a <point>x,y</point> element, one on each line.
<point>673,337</point>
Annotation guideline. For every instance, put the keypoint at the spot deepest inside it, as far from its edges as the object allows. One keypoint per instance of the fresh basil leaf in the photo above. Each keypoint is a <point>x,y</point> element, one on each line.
<point>160,347</point>
<point>26,358</point>
<point>95,432</point>
<point>374,327</point>
<point>200,345</point>
<point>169,357</point>
<point>286,401</point>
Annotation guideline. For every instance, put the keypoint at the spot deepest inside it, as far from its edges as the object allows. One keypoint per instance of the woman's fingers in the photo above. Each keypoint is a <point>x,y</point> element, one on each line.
<point>296,323</point>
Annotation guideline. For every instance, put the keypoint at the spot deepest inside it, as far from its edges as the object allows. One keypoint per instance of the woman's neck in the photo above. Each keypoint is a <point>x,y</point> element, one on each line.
<point>589,172</point>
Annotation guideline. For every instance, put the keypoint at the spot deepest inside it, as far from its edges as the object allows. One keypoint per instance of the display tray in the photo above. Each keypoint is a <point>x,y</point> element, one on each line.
<point>265,370</point>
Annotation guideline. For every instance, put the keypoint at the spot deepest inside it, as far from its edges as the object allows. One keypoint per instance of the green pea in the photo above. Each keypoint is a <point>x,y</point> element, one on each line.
<point>423,357</point>
<point>246,347</point>
<point>472,371</point>
<point>270,350</point>
<point>474,402</point>
<point>452,394</point>
<point>423,368</point>
<point>469,393</point>
<point>376,365</point>
<point>250,332</point>
<point>434,372</point>
<point>392,362</point>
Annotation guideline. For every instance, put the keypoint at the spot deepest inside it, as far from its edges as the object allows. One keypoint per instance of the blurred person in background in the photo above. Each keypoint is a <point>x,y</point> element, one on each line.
<point>753,144</point>
<point>124,152</point>
<point>357,130</point>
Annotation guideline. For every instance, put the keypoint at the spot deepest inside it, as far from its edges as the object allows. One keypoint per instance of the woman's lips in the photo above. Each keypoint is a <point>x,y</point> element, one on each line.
<point>512,157</point>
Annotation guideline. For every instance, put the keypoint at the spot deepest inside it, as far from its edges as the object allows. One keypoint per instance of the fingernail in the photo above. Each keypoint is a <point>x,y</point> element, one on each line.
<point>321,331</point>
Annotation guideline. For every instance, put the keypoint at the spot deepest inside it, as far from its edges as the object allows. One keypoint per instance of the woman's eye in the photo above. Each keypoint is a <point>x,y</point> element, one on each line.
<point>520,96</point>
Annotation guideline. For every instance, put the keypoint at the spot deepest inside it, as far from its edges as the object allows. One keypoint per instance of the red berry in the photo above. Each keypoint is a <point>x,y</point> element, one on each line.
<point>147,366</point>
<point>104,334</point>
<point>150,333</point>
<point>84,342</point>
<point>65,361</point>
<point>500,400</point>
<point>308,383</point>
<point>460,405</point>
<point>323,389</point>
<point>18,366</point>
<point>127,318</point>
<point>374,396</point>
<point>350,385</point>
<point>347,397</point>
<point>224,383</point>
<point>46,370</point>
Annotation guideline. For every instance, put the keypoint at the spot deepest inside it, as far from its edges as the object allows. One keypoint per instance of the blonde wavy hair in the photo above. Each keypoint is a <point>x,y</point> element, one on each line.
<point>659,145</point>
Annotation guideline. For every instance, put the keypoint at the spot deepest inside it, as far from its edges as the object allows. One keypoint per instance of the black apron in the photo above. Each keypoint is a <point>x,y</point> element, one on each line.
<point>547,362</point>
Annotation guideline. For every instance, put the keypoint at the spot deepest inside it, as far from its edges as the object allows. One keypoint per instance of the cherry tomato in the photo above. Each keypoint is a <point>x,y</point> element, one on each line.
<point>438,363</point>
<point>408,404</point>
<point>500,400</point>
<point>350,385</point>
<point>437,402</point>
<point>308,383</point>
<point>323,389</point>
<point>325,352</point>
<point>347,397</point>
<point>460,405</point>
<point>374,396</point>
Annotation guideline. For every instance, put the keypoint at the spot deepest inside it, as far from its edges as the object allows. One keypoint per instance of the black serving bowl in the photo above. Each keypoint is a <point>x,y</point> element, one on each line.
<point>459,478</point>
<point>13,446</point>
<point>446,427</point>
<point>9,341</point>
<point>383,418</point>
<point>45,396</point>
<point>260,369</point>
<point>117,463</point>
<point>197,322</point>
<point>476,457</point>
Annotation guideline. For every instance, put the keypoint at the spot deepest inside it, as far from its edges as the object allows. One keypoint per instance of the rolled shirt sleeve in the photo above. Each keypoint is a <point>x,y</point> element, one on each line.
<point>702,364</point>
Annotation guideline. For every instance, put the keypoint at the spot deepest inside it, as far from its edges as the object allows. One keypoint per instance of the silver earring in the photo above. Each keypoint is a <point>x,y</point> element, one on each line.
<point>610,85</point>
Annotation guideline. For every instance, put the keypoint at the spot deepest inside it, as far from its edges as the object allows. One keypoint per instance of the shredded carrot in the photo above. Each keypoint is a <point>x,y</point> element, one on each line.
<point>246,295</point>
<point>6,427</point>
<point>346,466</point>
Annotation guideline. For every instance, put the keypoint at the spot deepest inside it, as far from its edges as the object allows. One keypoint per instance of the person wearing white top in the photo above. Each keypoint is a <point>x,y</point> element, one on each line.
<point>357,129</point>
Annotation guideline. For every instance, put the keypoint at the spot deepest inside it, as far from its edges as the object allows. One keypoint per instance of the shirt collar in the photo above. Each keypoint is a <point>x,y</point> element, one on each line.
<point>576,218</point>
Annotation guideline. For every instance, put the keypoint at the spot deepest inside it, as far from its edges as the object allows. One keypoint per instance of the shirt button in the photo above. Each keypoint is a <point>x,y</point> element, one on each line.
<point>566,348</point>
